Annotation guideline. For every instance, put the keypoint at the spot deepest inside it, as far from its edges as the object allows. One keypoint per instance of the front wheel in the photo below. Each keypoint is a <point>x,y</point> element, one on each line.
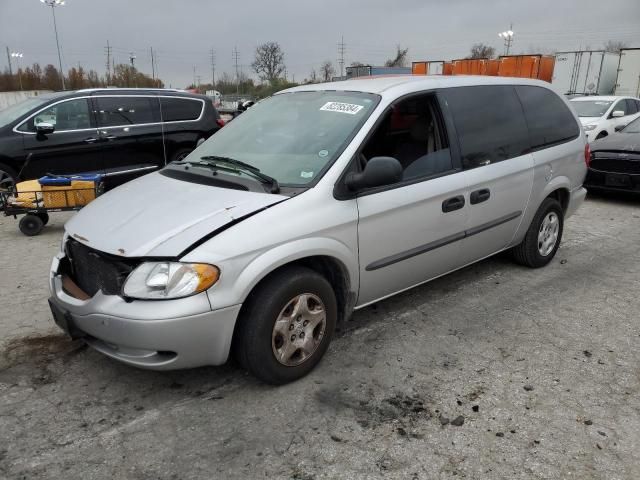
<point>543,238</point>
<point>31,225</point>
<point>286,325</point>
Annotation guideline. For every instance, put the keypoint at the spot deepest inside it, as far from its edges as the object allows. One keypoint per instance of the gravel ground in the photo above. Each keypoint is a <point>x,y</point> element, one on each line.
<point>493,372</point>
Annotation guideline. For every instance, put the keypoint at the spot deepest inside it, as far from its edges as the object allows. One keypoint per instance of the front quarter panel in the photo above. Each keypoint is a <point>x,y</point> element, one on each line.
<point>311,224</point>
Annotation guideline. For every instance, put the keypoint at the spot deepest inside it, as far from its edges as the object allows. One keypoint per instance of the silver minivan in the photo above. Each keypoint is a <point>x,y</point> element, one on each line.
<point>314,203</point>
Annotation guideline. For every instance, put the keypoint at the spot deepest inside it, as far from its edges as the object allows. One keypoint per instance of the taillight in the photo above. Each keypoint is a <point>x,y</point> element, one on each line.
<point>220,122</point>
<point>587,155</point>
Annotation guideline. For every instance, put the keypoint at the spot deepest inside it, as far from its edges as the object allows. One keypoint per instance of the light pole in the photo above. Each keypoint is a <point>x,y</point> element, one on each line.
<point>53,4</point>
<point>18,56</point>
<point>507,36</point>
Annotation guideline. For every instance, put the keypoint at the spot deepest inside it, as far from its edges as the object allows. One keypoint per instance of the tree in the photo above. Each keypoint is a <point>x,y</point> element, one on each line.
<point>269,61</point>
<point>400,60</point>
<point>480,50</point>
<point>327,71</point>
<point>615,46</point>
<point>313,76</point>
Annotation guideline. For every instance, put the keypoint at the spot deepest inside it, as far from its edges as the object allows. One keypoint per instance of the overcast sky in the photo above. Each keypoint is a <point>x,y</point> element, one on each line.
<point>182,32</point>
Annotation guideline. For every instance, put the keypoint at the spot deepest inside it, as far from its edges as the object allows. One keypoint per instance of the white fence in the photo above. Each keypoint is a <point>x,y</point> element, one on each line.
<point>9,98</point>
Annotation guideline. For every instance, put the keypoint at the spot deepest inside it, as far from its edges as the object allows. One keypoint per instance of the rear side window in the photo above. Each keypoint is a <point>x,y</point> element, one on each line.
<point>489,123</point>
<point>550,121</point>
<point>179,109</point>
<point>117,111</point>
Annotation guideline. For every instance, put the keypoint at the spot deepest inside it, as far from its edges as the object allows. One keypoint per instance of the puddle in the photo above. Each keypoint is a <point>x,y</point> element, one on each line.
<point>38,349</point>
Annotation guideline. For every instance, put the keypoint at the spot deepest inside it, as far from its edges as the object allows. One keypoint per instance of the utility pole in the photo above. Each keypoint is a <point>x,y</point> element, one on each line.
<point>508,38</point>
<point>107,51</point>
<point>341,50</point>
<point>236,57</point>
<point>10,71</point>
<point>132,59</point>
<point>153,65</point>
<point>194,76</point>
<point>212,54</point>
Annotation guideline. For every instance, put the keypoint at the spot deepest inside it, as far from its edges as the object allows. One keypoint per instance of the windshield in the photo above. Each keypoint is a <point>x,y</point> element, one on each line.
<point>590,108</point>
<point>633,127</point>
<point>292,137</point>
<point>10,114</point>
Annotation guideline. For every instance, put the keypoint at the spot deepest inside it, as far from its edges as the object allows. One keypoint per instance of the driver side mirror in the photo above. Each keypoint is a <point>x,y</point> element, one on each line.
<point>377,172</point>
<point>617,114</point>
<point>45,128</point>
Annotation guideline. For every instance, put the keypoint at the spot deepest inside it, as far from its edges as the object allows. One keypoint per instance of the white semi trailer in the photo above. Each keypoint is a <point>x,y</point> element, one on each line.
<point>628,83</point>
<point>585,72</point>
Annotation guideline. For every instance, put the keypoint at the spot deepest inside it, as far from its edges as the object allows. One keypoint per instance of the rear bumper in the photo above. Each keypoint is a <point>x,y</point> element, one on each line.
<point>602,180</point>
<point>576,198</point>
<point>164,335</point>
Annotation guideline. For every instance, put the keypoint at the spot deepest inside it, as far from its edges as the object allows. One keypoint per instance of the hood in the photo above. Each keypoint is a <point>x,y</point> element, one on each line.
<point>160,216</point>
<point>627,142</point>
<point>589,120</point>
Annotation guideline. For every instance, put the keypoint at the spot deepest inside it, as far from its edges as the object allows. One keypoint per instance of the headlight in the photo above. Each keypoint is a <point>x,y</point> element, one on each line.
<point>588,128</point>
<point>167,280</point>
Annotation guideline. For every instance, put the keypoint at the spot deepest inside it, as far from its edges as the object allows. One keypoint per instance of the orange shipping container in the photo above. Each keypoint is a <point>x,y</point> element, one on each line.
<point>419,68</point>
<point>470,66</point>
<point>447,68</point>
<point>527,66</point>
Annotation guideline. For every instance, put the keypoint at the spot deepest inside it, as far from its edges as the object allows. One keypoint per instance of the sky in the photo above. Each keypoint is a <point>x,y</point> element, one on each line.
<point>183,32</point>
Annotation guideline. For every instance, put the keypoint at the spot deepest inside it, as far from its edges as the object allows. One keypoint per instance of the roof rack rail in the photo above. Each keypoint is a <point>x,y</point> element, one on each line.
<point>128,88</point>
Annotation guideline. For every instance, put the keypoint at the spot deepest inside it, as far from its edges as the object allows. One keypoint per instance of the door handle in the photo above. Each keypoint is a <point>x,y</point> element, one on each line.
<point>454,203</point>
<point>90,140</point>
<point>479,196</point>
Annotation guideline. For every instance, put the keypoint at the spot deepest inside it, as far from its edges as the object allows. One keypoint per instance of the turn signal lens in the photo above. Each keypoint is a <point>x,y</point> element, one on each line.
<point>587,154</point>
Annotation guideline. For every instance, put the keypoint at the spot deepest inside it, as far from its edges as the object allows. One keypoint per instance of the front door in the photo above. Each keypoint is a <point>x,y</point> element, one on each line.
<point>494,151</point>
<point>410,232</point>
<point>130,135</point>
<point>73,147</point>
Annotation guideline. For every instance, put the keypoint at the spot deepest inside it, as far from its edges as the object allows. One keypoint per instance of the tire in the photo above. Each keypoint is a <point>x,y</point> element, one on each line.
<point>8,180</point>
<point>535,251</point>
<point>265,349</point>
<point>31,225</point>
<point>180,154</point>
<point>44,216</point>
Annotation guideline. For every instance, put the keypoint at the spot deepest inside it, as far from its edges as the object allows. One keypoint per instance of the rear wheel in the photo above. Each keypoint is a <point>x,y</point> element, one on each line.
<point>31,225</point>
<point>44,216</point>
<point>543,238</point>
<point>286,325</point>
<point>8,180</point>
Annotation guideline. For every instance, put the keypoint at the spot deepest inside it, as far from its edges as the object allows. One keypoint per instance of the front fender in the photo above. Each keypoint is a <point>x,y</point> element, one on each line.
<point>238,288</point>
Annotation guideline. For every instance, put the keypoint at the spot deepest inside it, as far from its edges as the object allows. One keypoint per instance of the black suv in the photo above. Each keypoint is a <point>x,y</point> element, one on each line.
<point>123,133</point>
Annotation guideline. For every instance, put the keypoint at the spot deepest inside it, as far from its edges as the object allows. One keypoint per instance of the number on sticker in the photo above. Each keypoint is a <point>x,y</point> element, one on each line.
<point>349,108</point>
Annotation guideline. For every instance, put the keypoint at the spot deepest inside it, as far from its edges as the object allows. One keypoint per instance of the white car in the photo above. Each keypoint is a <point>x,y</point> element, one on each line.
<point>603,115</point>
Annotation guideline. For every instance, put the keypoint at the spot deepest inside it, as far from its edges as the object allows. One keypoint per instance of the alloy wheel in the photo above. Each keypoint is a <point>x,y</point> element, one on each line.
<point>548,233</point>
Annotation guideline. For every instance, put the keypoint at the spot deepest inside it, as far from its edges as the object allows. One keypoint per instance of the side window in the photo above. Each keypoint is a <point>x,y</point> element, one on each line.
<point>632,106</point>
<point>489,123</point>
<point>549,119</point>
<point>69,115</point>
<point>117,111</point>
<point>622,106</point>
<point>412,132</point>
<point>178,109</point>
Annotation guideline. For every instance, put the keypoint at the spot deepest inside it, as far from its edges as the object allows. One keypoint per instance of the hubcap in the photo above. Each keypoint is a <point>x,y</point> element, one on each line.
<point>548,233</point>
<point>299,329</point>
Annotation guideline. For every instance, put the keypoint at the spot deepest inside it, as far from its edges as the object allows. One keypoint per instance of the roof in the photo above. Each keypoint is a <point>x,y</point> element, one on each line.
<point>602,98</point>
<point>387,83</point>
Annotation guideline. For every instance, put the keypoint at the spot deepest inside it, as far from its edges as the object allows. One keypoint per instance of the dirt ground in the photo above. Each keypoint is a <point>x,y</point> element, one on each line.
<point>493,372</point>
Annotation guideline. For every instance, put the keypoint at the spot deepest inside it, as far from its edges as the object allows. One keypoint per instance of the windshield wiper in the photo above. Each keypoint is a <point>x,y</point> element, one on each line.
<point>215,161</point>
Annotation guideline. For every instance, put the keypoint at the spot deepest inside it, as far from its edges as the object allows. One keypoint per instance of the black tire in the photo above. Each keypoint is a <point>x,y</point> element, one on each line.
<point>180,154</point>
<point>253,342</point>
<point>44,216</point>
<point>528,252</point>
<point>8,180</point>
<point>31,225</point>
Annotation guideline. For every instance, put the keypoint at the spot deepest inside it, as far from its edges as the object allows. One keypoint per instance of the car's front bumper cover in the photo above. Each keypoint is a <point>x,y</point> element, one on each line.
<point>159,335</point>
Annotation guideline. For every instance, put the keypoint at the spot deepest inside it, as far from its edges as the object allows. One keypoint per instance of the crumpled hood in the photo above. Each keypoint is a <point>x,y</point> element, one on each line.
<point>160,216</point>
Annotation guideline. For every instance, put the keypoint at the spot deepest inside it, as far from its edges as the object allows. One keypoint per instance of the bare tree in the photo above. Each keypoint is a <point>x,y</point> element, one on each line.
<point>480,50</point>
<point>269,61</point>
<point>615,46</point>
<point>327,71</point>
<point>313,76</point>
<point>400,60</point>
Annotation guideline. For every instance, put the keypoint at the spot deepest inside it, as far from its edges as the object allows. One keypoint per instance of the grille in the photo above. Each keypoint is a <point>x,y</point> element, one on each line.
<point>616,164</point>
<point>93,271</point>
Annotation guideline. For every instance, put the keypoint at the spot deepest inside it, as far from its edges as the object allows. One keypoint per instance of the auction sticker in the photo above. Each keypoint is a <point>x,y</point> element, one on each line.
<point>350,108</point>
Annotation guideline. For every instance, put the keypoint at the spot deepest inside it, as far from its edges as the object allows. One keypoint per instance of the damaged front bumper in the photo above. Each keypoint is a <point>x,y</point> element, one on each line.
<point>158,335</point>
